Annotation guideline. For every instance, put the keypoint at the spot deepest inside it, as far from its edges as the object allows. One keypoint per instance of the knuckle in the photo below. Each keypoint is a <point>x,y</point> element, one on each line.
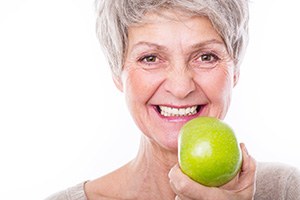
<point>182,186</point>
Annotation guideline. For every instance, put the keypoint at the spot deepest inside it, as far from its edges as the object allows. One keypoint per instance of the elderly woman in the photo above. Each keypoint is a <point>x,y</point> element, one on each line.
<point>176,60</point>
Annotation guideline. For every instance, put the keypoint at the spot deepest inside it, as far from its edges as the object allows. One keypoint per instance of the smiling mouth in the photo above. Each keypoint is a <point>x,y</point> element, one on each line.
<point>167,111</point>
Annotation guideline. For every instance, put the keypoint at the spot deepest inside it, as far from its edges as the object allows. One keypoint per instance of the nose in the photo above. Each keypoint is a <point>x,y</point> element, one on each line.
<point>180,83</point>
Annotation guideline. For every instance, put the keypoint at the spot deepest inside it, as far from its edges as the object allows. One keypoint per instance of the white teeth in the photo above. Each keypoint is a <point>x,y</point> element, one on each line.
<point>168,111</point>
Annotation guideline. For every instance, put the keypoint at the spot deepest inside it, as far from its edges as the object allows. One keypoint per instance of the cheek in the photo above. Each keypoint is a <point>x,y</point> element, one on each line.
<point>218,85</point>
<point>140,85</point>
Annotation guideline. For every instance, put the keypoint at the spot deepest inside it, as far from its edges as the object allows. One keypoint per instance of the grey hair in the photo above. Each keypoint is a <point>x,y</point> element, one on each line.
<point>229,18</point>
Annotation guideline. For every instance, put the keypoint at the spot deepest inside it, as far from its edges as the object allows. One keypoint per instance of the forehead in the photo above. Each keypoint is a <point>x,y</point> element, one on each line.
<point>169,26</point>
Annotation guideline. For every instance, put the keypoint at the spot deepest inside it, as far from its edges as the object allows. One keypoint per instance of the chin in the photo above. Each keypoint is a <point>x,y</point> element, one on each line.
<point>169,143</point>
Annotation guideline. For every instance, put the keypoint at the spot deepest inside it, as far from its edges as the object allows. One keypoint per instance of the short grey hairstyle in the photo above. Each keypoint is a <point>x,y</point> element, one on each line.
<point>229,18</point>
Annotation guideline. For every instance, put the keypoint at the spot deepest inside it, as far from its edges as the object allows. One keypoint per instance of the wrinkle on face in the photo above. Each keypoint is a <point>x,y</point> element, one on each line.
<point>176,77</point>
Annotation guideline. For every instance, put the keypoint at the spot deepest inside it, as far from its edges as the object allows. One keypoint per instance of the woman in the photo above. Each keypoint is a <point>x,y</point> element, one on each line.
<point>176,60</point>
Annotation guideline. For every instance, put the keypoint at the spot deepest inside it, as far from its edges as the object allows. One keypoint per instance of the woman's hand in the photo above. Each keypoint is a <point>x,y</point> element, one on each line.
<point>242,187</point>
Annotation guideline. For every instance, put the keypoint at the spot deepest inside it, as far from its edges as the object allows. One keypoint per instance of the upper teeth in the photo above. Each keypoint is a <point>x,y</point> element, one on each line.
<point>169,111</point>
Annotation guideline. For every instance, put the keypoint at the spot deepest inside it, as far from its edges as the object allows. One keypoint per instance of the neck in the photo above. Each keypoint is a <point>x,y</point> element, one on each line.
<point>152,165</point>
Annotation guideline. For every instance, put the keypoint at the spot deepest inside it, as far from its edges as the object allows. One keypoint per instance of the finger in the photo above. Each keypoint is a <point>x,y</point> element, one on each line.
<point>249,164</point>
<point>185,187</point>
<point>244,177</point>
<point>180,183</point>
<point>247,176</point>
<point>177,180</point>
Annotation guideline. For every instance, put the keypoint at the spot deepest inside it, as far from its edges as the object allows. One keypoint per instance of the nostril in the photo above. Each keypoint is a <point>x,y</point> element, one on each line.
<point>180,86</point>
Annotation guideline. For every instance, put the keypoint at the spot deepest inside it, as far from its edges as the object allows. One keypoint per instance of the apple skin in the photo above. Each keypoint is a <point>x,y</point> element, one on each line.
<point>208,151</point>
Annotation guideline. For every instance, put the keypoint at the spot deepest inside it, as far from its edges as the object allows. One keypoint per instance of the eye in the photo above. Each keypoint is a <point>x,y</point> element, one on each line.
<point>149,59</point>
<point>208,58</point>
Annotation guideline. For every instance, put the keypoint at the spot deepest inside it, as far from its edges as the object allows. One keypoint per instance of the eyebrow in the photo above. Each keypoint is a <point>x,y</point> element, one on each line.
<point>150,44</point>
<point>194,46</point>
<point>206,43</point>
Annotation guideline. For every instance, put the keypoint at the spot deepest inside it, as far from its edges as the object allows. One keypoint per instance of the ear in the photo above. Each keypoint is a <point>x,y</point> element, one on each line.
<point>236,77</point>
<point>118,82</point>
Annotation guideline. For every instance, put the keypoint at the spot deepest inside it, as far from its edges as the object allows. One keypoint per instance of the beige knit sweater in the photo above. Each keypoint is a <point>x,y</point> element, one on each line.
<point>274,182</point>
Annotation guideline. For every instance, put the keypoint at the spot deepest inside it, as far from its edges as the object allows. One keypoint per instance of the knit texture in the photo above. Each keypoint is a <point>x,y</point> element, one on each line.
<point>277,182</point>
<point>73,193</point>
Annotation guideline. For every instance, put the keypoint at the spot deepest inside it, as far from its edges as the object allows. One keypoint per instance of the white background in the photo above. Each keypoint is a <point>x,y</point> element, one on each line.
<point>62,121</point>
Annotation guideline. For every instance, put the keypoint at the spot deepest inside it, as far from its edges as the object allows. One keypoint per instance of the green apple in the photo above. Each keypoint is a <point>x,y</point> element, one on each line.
<point>208,151</point>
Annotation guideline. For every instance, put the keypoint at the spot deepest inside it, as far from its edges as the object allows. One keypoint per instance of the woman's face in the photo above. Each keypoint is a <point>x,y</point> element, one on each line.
<point>176,68</point>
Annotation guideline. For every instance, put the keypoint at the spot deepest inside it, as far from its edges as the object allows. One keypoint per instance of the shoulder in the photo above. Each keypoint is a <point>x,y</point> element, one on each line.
<point>277,180</point>
<point>73,193</point>
<point>282,173</point>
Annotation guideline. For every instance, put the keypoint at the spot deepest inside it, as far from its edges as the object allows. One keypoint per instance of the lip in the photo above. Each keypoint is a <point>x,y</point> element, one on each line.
<point>179,118</point>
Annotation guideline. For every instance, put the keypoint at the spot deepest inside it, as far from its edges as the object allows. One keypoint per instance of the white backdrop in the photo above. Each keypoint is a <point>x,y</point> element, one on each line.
<point>62,121</point>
